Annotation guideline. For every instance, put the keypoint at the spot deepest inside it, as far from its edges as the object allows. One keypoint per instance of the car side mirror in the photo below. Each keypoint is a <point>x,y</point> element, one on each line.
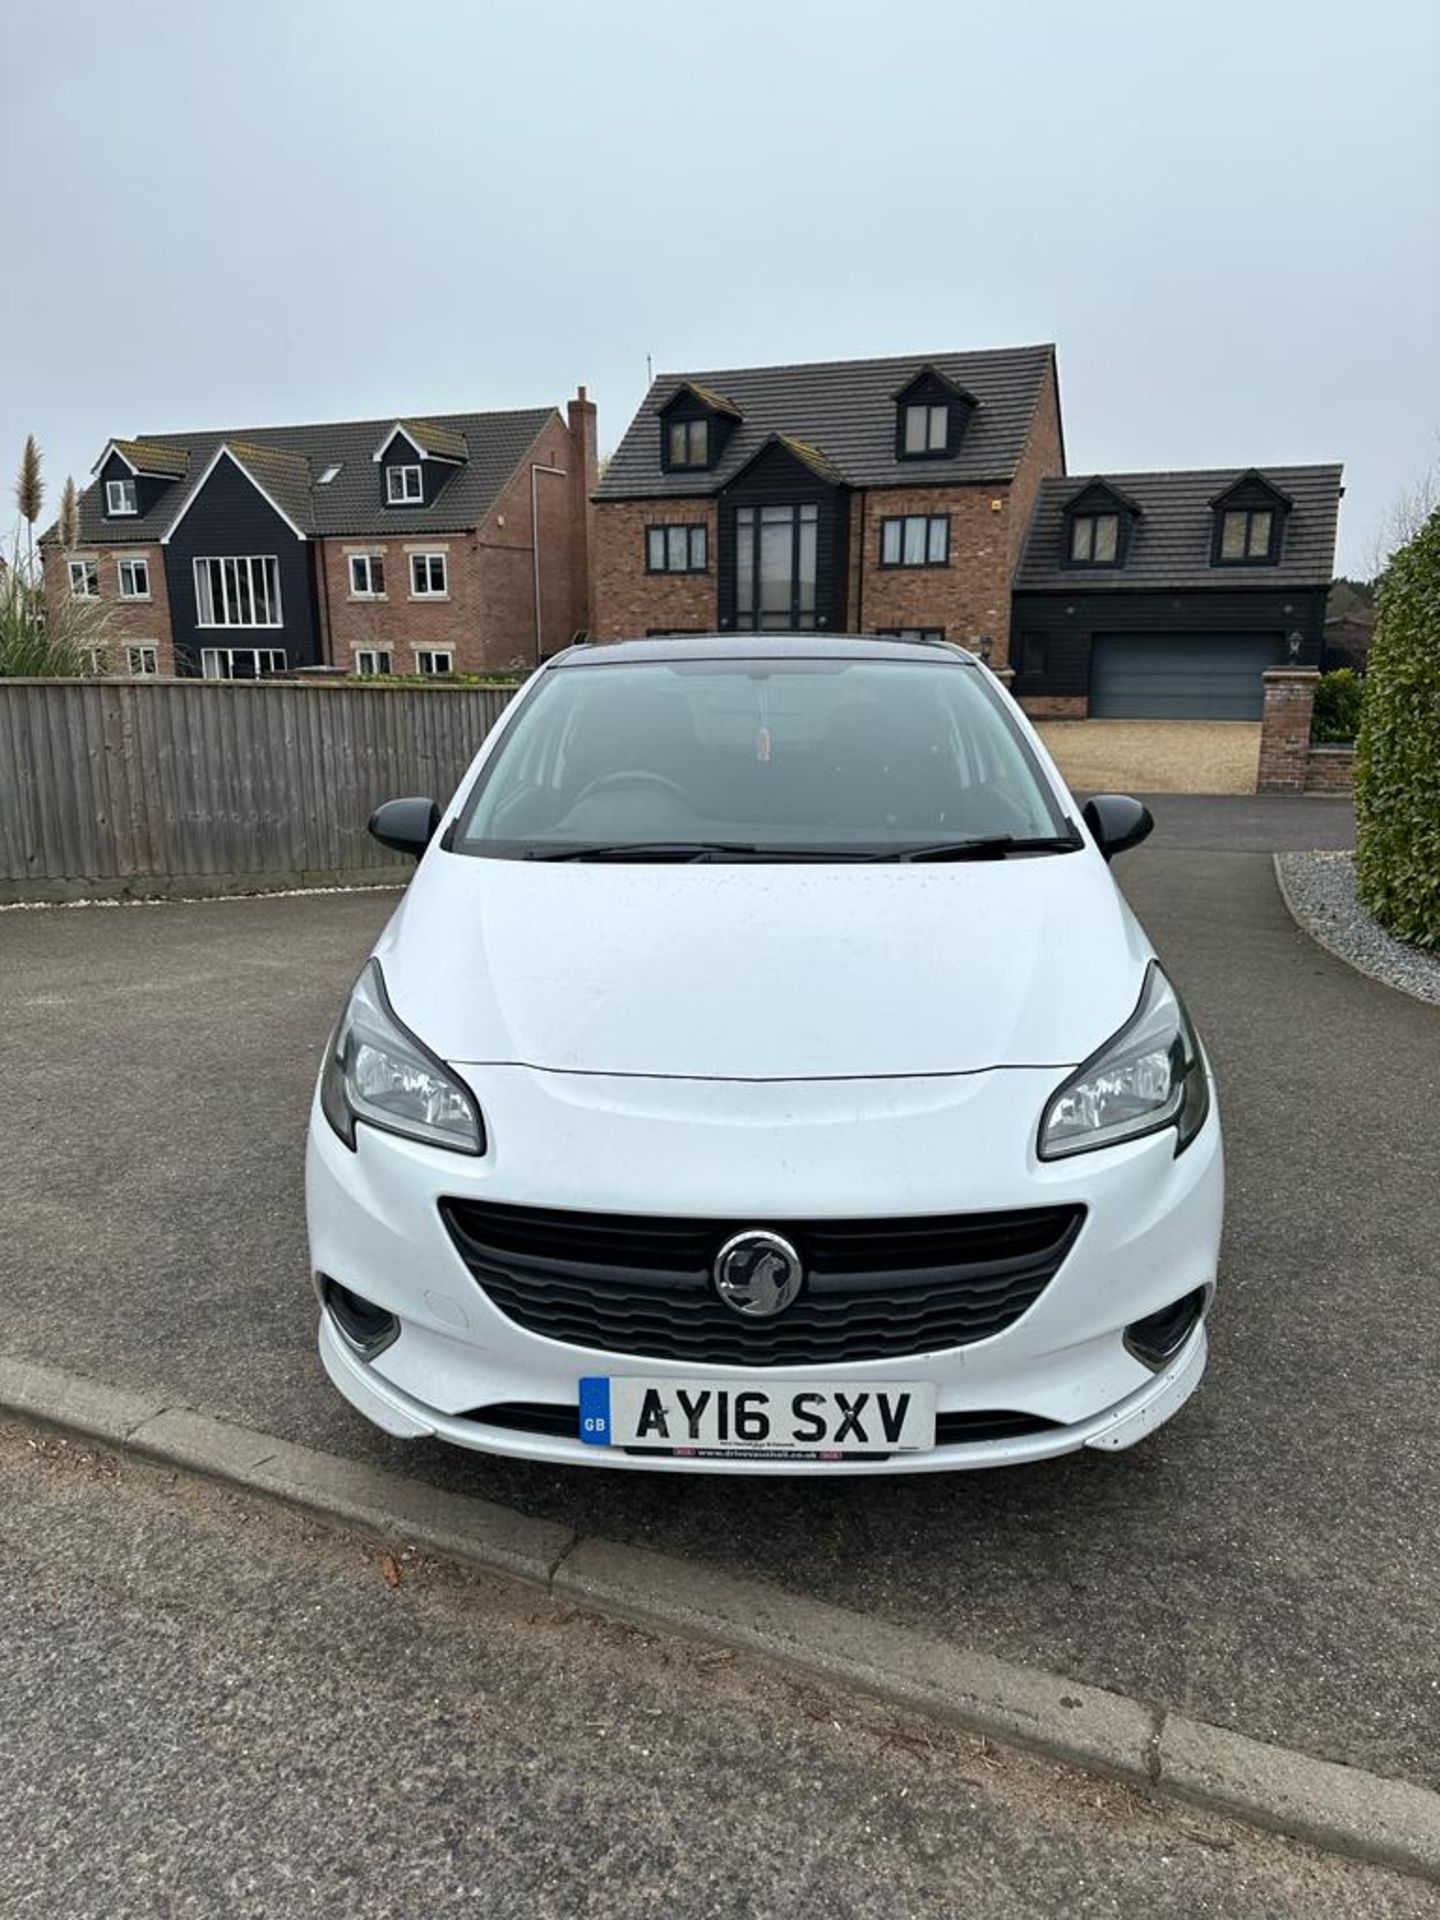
<point>1117,822</point>
<point>406,825</point>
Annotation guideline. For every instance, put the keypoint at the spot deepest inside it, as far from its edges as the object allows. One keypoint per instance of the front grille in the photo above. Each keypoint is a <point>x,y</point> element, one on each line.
<point>874,1289</point>
<point>561,1422</point>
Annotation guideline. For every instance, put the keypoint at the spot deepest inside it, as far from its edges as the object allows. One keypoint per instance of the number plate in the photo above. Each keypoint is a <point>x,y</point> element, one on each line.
<point>708,1419</point>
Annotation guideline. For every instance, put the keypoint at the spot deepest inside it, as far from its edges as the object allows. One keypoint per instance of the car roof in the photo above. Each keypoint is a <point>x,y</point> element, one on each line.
<point>759,646</point>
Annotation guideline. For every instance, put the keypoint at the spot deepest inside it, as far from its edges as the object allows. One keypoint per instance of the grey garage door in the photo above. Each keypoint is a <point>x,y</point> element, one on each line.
<point>1193,676</point>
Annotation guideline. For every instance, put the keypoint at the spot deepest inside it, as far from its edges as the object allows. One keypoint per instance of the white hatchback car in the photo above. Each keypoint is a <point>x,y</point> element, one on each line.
<point>763,1073</point>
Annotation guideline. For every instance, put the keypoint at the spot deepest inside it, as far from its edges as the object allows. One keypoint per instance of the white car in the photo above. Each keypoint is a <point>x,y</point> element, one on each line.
<point>763,1073</point>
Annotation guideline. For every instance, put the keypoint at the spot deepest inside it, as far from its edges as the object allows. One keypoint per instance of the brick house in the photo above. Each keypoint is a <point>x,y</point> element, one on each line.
<point>854,496</point>
<point>929,497</point>
<point>458,542</point>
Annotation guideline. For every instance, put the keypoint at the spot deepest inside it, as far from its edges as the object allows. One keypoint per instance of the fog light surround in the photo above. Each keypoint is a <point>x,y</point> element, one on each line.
<point>1155,1340</point>
<point>365,1328</point>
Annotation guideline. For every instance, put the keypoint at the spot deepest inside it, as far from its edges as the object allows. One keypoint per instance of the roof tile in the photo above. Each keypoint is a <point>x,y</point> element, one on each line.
<point>295,457</point>
<point>846,407</point>
<point>1170,543</point>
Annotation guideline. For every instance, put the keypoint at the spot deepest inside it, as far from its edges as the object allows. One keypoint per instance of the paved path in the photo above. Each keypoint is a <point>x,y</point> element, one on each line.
<point>209,1709</point>
<point>1270,1561</point>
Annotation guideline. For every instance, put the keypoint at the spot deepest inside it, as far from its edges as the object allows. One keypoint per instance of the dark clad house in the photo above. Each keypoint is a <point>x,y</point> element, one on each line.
<point>1166,595</point>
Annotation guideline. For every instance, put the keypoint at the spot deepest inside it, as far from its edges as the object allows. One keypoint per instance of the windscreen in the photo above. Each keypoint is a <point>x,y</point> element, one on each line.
<point>820,757</point>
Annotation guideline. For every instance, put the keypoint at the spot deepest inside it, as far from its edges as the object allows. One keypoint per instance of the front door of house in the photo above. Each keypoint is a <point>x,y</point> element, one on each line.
<point>775,567</point>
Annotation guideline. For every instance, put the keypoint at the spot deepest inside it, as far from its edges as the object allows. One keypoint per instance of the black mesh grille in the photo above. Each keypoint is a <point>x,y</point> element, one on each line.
<point>874,1289</point>
<point>951,1429</point>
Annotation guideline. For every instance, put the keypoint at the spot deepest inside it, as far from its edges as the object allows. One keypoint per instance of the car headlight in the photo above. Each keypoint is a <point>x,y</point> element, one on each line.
<point>1151,1075</point>
<point>377,1071</point>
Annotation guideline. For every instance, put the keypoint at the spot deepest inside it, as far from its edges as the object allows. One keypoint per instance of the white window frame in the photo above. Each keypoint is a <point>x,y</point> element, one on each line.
<point>397,487</point>
<point>205,583</point>
<point>211,657</point>
<point>142,659</point>
<point>84,579</point>
<point>367,563</point>
<point>429,592</point>
<point>94,662</point>
<point>122,491</point>
<point>432,654</point>
<point>130,562</point>
<point>367,661</point>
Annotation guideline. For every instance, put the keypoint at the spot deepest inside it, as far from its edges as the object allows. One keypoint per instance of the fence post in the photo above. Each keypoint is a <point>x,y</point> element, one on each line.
<point>1285,728</point>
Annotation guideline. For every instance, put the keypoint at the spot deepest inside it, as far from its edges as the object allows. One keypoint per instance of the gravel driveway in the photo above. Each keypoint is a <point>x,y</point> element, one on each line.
<point>1155,756</point>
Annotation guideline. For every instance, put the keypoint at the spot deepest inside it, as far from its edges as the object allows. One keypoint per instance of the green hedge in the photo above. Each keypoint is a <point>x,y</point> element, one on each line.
<point>1397,758</point>
<point>1337,707</point>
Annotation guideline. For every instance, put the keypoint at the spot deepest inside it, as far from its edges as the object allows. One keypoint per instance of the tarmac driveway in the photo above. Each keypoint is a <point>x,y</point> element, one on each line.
<point>1269,1561</point>
<point>1155,756</point>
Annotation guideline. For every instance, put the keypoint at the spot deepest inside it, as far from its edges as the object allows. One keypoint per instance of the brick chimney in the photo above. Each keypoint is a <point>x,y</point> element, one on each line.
<point>583,477</point>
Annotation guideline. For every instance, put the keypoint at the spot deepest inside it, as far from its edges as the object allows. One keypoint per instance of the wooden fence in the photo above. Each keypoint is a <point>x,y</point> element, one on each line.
<point>150,789</point>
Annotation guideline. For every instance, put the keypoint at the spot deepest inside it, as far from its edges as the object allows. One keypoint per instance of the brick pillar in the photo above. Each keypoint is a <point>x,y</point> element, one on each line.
<point>583,477</point>
<point>1285,729</point>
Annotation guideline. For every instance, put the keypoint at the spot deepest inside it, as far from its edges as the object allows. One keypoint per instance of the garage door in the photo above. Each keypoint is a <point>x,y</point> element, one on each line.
<point>1189,676</point>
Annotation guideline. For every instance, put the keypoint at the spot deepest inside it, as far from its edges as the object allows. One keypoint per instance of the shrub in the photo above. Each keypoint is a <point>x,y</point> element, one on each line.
<point>36,640</point>
<point>1397,758</point>
<point>508,680</point>
<point>1337,706</point>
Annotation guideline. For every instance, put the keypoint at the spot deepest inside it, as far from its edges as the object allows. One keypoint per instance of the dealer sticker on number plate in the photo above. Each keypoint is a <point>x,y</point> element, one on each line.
<point>788,1419</point>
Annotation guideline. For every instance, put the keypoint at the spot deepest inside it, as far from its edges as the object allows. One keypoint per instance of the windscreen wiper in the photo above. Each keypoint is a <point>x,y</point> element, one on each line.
<point>679,851</point>
<point>993,846</point>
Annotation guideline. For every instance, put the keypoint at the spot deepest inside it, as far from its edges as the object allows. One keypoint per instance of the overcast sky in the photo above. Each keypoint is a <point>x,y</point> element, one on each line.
<point>244,212</point>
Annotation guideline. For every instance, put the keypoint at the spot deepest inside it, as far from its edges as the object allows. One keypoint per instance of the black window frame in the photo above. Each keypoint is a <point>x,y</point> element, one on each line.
<point>913,566</point>
<point>687,425</point>
<point>930,408</point>
<point>1091,517</point>
<point>1218,556</point>
<point>750,521</point>
<point>915,636</point>
<point>690,528</point>
<point>1032,654</point>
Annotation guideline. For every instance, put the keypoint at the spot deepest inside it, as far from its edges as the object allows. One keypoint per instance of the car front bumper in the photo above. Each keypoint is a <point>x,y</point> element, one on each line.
<point>752,1152</point>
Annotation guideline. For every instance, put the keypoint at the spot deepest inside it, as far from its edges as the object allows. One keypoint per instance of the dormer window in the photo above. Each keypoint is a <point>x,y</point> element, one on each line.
<point>931,414</point>
<point>695,427</point>
<point>1248,523</point>
<point>1094,539</point>
<point>1246,533</point>
<point>689,443</point>
<point>120,499</point>
<point>404,486</point>
<point>1098,526</point>
<point>927,430</point>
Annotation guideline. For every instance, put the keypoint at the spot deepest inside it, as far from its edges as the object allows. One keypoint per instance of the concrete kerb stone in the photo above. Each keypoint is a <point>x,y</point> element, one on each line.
<point>1020,1706</point>
<point>1390,1822</point>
